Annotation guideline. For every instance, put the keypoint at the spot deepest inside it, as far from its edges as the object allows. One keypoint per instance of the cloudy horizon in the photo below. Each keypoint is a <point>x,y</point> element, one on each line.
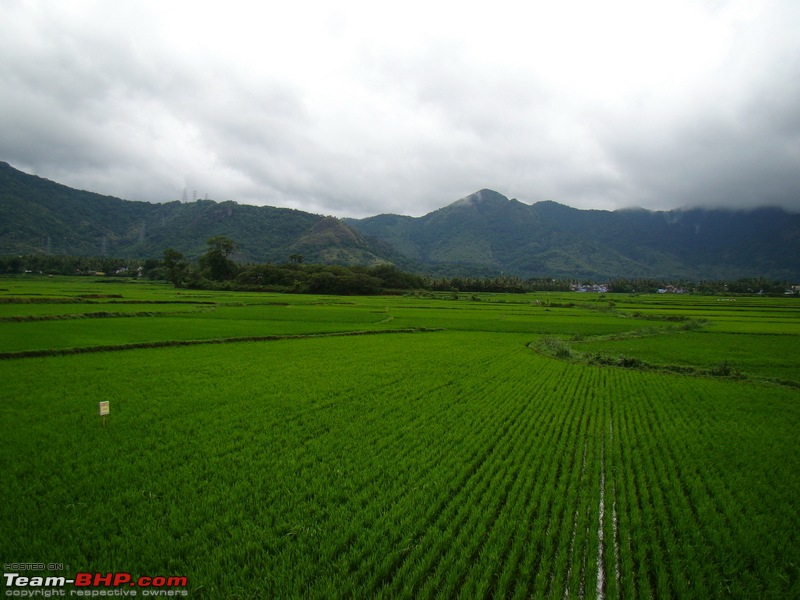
<point>360,108</point>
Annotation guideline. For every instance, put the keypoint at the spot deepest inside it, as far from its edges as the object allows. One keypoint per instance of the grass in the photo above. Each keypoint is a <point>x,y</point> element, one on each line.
<point>761,355</point>
<point>453,462</point>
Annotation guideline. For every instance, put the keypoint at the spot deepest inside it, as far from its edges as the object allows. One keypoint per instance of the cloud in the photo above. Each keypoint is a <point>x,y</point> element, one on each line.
<point>357,108</point>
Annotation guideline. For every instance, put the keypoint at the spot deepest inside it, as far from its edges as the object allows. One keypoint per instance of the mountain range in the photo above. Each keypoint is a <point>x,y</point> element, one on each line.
<point>484,234</point>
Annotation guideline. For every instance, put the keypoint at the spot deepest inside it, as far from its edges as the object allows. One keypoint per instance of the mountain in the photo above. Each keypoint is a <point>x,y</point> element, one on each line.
<point>41,216</point>
<point>331,241</point>
<point>475,231</point>
<point>484,234</point>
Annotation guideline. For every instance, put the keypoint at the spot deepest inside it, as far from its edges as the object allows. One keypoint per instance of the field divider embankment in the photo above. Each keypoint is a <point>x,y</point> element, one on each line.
<point>175,343</point>
<point>91,315</point>
<point>93,299</point>
<point>558,348</point>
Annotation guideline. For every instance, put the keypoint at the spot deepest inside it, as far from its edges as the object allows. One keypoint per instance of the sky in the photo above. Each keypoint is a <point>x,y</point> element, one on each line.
<point>360,108</point>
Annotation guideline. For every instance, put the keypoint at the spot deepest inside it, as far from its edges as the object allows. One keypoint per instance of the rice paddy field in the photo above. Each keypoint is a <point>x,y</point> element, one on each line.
<point>490,446</point>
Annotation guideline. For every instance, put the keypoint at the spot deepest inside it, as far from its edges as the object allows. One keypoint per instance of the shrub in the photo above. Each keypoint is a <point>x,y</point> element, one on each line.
<point>555,346</point>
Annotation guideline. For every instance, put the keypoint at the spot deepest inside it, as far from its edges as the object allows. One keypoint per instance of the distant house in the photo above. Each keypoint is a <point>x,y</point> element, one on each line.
<point>595,287</point>
<point>671,289</point>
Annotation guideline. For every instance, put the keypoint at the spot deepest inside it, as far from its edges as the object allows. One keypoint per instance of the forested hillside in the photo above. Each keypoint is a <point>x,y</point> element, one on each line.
<point>482,235</point>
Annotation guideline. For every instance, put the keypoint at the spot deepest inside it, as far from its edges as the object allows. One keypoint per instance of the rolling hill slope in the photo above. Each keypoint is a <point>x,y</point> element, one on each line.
<point>484,234</point>
<point>487,233</point>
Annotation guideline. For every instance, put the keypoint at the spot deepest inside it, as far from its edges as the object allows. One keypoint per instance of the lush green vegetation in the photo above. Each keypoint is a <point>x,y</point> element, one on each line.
<point>485,234</point>
<point>216,269</point>
<point>467,447</point>
<point>41,217</point>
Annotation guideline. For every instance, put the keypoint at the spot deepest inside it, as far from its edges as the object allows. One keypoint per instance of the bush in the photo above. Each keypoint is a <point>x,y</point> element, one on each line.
<point>555,346</point>
<point>628,362</point>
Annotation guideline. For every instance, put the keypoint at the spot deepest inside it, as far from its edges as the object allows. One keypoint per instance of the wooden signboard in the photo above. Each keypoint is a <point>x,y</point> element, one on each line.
<point>104,411</point>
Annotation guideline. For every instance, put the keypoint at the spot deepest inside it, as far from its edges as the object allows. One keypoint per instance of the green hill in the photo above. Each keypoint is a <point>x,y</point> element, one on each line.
<point>40,216</point>
<point>484,234</point>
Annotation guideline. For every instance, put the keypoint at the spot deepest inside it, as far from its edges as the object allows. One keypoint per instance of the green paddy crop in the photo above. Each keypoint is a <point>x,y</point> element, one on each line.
<point>450,462</point>
<point>775,356</point>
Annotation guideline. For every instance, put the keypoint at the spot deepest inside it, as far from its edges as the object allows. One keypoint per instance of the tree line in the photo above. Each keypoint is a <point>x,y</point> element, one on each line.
<point>216,270</point>
<point>51,264</point>
<point>745,285</point>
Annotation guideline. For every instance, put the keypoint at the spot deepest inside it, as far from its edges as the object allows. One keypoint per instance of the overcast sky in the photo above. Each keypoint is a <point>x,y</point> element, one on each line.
<point>360,108</point>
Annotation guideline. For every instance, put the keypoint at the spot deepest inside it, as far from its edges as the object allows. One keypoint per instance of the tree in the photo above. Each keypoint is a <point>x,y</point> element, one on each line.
<point>176,266</point>
<point>151,268</point>
<point>393,278</point>
<point>215,263</point>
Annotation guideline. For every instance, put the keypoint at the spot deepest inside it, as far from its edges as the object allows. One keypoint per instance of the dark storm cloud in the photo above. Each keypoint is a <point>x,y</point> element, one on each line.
<point>733,147</point>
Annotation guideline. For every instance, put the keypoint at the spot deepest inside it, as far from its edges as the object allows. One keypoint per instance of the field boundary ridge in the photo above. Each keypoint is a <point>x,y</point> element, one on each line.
<point>227,340</point>
<point>559,349</point>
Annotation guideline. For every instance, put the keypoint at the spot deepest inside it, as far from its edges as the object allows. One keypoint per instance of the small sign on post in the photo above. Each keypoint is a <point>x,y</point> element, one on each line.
<point>104,411</point>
